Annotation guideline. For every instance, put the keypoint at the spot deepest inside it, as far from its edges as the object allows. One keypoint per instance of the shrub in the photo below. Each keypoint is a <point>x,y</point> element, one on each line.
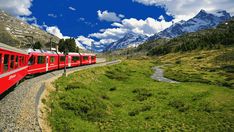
<point>142,94</point>
<point>179,105</point>
<point>75,85</point>
<point>113,88</point>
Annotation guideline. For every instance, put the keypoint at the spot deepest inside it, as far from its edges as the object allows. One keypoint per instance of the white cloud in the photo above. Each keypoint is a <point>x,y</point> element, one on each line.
<point>109,16</point>
<point>84,40</point>
<point>52,15</point>
<point>185,9</point>
<point>121,15</point>
<point>72,8</point>
<point>16,7</point>
<point>110,33</point>
<point>148,27</point>
<point>55,31</point>
<point>104,41</point>
<point>115,24</point>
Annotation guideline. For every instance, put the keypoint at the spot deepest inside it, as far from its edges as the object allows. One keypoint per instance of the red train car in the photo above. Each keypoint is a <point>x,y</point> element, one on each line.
<point>42,61</point>
<point>86,59</point>
<point>74,59</point>
<point>93,59</point>
<point>13,66</point>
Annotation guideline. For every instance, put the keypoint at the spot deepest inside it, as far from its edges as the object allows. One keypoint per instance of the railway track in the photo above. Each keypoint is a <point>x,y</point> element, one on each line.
<point>18,109</point>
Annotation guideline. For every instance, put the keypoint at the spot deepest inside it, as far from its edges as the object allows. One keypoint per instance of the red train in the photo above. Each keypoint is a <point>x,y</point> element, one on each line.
<point>15,64</point>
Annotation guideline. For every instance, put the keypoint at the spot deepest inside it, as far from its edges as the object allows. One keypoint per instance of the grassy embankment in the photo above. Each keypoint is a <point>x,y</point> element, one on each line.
<point>124,97</point>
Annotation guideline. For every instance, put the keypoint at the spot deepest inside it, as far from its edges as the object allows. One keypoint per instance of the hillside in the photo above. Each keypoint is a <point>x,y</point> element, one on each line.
<point>13,32</point>
<point>222,36</point>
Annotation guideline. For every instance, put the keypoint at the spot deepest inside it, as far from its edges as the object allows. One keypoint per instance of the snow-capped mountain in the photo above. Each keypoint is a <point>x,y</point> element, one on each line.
<point>203,20</point>
<point>129,40</point>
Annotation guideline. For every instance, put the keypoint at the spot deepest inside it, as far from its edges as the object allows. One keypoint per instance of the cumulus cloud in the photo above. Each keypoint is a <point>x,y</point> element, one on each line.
<point>16,7</point>
<point>55,31</point>
<point>186,9</point>
<point>148,27</point>
<point>72,8</point>
<point>85,40</point>
<point>109,16</point>
<point>104,41</point>
<point>110,33</point>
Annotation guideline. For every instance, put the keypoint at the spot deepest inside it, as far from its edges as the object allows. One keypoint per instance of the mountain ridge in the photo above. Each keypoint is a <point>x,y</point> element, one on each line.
<point>16,32</point>
<point>203,20</point>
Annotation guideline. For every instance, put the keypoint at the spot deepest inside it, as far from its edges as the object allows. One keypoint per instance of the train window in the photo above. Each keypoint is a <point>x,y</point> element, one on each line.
<point>41,60</point>
<point>75,58</point>
<point>93,57</point>
<point>62,58</point>
<point>85,57</point>
<point>31,60</point>
<point>52,59</point>
<point>22,60</point>
<point>6,60</point>
<point>16,62</point>
<point>12,62</point>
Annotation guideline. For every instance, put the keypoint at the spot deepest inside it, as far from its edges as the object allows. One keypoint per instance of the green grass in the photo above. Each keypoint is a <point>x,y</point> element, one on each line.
<point>212,67</point>
<point>123,97</point>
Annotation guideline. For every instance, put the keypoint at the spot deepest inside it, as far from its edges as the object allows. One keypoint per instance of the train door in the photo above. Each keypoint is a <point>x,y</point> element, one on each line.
<point>69,61</point>
<point>90,60</point>
<point>47,63</point>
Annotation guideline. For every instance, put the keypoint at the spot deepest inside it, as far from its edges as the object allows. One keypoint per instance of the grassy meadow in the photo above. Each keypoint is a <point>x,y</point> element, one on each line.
<point>123,97</point>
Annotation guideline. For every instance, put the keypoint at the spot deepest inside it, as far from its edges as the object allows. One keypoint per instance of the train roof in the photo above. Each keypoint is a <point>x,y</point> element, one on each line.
<point>89,54</point>
<point>73,53</point>
<point>13,49</point>
<point>40,51</point>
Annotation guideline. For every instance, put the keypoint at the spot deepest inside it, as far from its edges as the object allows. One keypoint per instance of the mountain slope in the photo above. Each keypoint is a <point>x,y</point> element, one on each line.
<point>203,20</point>
<point>129,40</point>
<point>221,36</point>
<point>13,32</point>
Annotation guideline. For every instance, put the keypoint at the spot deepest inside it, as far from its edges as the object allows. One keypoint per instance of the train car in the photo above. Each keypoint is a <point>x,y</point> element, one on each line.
<point>86,59</point>
<point>74,59</point>
<point>93,59</point>
<point>41,61</point>
<point>13,66</point>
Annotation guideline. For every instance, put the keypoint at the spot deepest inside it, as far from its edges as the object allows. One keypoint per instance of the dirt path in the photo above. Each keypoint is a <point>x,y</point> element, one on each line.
<point>158,75</point>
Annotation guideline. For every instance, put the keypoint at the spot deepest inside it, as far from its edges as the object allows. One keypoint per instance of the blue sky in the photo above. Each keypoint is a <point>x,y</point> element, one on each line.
<point>83,20</point>
<point>101,22</point>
